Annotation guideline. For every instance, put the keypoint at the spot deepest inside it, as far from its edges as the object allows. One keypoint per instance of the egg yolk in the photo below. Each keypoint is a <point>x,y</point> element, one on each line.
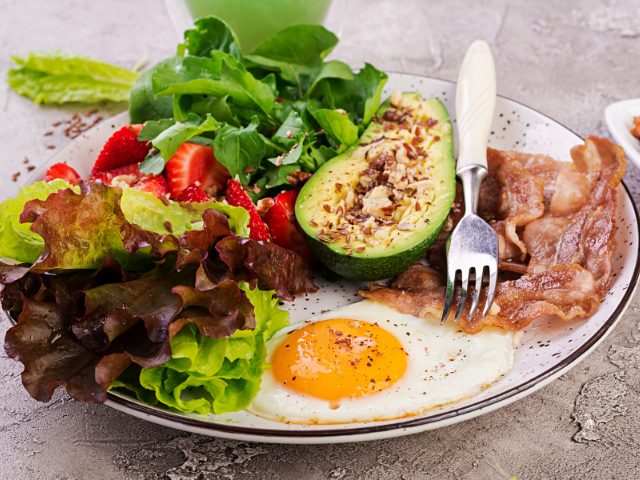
<point>339,358</point>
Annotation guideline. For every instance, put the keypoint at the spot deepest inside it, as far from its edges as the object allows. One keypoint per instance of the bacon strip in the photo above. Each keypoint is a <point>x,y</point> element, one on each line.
<point>564,291</point>
<point>569,233</point>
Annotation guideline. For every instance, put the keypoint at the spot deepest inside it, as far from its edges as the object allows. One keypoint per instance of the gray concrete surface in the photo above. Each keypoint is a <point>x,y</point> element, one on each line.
<point>566,59</point>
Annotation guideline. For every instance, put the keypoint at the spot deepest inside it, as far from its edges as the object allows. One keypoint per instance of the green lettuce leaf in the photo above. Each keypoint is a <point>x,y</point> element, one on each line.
<point>212,375</point>
<point>61,77</point>
<point>17,241</point>
<point>218,108</point>
<point>149,213</point>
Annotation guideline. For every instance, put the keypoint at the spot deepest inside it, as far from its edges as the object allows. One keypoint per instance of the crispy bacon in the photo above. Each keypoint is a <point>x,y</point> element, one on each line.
<point>544,167</point>
<point>512,195</point>
<point>564,291</point>
<point>568,213</point>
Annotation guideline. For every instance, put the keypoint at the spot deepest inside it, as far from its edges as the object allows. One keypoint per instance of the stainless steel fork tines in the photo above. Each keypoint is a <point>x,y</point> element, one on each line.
<point>473,246</point>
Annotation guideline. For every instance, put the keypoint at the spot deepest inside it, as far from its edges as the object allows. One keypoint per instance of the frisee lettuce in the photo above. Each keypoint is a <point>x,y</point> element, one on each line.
<point>60,77</point>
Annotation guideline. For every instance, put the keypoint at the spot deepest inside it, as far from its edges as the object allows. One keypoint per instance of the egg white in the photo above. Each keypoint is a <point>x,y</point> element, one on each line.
<point>444,365</point>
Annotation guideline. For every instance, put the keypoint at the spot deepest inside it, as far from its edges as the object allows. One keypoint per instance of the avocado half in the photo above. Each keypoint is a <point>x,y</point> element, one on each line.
<point>383,260</point>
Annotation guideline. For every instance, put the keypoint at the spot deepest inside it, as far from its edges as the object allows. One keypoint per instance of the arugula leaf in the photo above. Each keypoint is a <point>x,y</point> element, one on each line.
<point>297,54</point>
<point>152,129</point>
<point>241,86</point>
<point>212,34</point>
<point>240,148</point>
<point>322,155</point>
<point>359,97</point>
<point>143,105</point>
<point>333,69</point>
<point>218,108</point>
<point>338,126</point>
<point>270,81</point>
<point>292,156</point>
<point>170,140</point>
<point>276,176</point>
<point>292,124</point>
<point>60,77</point>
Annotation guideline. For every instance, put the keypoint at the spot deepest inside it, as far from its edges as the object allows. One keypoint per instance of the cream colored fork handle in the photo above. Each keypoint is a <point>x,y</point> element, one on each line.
<point>475,103</point>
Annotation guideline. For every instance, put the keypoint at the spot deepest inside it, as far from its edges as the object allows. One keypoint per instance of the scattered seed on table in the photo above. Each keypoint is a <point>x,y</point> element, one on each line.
<point>51,147</point>
<point>46,134</point>
<point>31,167</point>
<point>15,176</point>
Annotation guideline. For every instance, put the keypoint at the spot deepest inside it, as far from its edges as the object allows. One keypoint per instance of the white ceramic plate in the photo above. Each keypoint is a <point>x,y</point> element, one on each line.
<point>550,347</point>
<point>619,119</point>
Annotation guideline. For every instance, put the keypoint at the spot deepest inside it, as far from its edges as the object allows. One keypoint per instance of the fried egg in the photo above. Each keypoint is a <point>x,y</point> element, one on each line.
<point>367,362</point>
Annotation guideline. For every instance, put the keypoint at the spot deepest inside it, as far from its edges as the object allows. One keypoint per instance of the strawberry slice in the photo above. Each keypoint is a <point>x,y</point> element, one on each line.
<point>123,148</point>
<point>196,163</point>
<point>62,171</point>
<point>128,174</point>
<point>237,197</point>
<point>192,194</point>
<point>283,226</point>
<point>155,185</point>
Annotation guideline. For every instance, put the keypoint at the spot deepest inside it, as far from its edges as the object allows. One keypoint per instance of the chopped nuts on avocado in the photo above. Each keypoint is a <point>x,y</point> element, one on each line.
<point>377,192</point>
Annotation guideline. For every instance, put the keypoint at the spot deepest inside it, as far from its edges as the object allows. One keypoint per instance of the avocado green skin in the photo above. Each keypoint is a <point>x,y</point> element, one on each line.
<point>388,265</point>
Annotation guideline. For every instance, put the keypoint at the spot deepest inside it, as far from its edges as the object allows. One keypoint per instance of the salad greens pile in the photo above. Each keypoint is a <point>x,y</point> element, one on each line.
<point>115,288</point>
<point>60,77</point>
<point>282,109</point>
<point>179,318</point>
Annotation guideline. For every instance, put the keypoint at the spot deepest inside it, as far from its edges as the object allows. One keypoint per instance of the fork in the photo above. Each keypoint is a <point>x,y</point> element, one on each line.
<point>473,244</point>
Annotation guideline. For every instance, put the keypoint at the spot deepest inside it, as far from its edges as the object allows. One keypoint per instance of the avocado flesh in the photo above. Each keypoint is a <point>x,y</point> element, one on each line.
<point>398,239</point>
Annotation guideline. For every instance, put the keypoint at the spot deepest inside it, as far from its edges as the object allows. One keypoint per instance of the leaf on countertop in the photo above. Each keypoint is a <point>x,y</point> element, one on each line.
<point>59,77</point>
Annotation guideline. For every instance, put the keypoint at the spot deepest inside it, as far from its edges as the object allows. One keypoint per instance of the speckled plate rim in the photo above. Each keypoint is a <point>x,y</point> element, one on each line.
<point>375,431</point>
